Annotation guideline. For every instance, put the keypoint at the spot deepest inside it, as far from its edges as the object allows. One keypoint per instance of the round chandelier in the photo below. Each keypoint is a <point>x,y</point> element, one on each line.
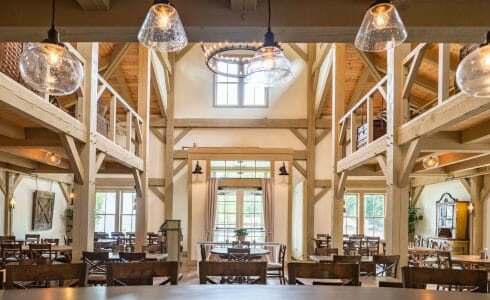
<point>226,58</point>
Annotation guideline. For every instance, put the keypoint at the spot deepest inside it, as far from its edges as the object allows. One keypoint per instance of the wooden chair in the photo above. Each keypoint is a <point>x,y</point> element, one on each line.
<point>277,269</point>
<point>132,256</point>
<point>458,280</point>
<point>155,248</point>
<point>54,242</point>
<point>327,251</point>
<point>333,274</point>
<point>40,250</point>
<point>444,260</point>
<point>233,272</point>
<point>67,240</point>
<point>96,266</point>
<point>9,239</point>
<point>372,245</point>
<point>32,239</point>
<point>238,254</point>
<point>10,253</point>
<point>152,238</point>
<point>16,274</point>
<point>347,259</point>
<point>141,273</point>
<point>35,261</point>
<point>386,264</point>
<point>204,255</point>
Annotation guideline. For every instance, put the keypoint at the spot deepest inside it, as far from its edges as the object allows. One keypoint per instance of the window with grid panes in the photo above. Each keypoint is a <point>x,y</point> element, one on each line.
<point>235,92</point>
<point>351,213</point>
<point>128,212</point>
<point>105,212</point>
<point>240,169</point>
<point>374,215</point>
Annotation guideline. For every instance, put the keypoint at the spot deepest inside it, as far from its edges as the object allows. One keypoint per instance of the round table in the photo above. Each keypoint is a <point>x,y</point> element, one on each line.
<point>470,261</point>
<point>253,251</point>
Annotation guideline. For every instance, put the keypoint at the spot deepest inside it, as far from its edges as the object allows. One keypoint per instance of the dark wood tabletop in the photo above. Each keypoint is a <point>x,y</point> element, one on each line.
<point>267,292</point>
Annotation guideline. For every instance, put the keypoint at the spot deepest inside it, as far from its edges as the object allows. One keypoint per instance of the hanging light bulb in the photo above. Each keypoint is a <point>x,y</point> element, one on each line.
<point>53,158</point>
<point>162,29</point>
<point>473,73</point>
<point>269,67</point>
<point>431,162</point>
<point>49,67</point>
<point>381,29</point>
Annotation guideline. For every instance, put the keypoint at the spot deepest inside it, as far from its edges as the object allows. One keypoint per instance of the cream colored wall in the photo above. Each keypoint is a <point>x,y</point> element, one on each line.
<point>427,204</point>
<point>22,214</point>
<point>486,206</point>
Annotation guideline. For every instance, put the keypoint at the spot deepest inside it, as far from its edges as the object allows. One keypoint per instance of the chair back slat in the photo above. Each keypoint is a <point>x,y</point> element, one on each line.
<point>232,269</point>
<point>39,250</point>
<point>387,265</point>
<point>347,272</point>
<point>45,273</point>
<point>238,254</point>
<point>132,256</point>
<point>471,280</point>
<point>141,273</point>
<point>347,259</point>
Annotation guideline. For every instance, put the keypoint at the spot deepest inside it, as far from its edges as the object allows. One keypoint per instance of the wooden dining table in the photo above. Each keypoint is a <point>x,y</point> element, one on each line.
<point>237,292</point>
<point>253,251</point>
<point>470,261</point>
<point>54,248</point>
<point>420,253</point>
<point>367,264</point>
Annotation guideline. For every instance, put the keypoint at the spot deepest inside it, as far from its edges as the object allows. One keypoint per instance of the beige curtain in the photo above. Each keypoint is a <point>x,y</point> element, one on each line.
<point>211,199</point>
<point>268,208</point>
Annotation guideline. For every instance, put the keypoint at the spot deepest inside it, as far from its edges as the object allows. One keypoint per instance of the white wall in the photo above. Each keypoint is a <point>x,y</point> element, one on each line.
<point>22,214</point>
<point>427,204</point>
<point>297,232</point>
<point>486,206</point>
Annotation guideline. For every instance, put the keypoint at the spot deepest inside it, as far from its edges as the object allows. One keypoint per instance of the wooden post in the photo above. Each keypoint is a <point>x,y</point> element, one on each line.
<point>144,112</point>
<point>397,193</point>
<point>310,152</point>
<point>443,73</point>
<point>129,126</point>
<point>113,119</point>
<point>7,225</point>
<point>476,231</point>
<point>353,132</point>
<point>338,110</point>
<point>369,120</point>
<point>169,145</point>
<point>83,209</point>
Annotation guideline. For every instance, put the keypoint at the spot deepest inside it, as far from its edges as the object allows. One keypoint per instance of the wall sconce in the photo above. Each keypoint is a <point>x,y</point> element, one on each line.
<point>72,196</point>
<point>431,162</point>
<point>197,169</point>
<point>12,203</point>
<point>53,158</point>
<point>471,208</point>
<point>282,170</point>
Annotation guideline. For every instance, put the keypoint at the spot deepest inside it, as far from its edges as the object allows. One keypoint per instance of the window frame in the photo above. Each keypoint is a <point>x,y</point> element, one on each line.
<point>241,91</point>
<point>383,218</point>
<point>356,217</point>
<point>119,209</point>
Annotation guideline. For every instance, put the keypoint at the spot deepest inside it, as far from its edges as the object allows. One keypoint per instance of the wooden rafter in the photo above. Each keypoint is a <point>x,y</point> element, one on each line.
<point>300,168</point>
<point>409,160</point>
<point>116,57</point>
<point>323,134</point>
<point>299,135</point>
<point>99,161</point>
<point>158,193</point>
<point>160,136</point>
<point>476,133</point>
<point>478,162</point>
<point>138,183</point>
<point>321,194</point>
<point>180,166</point>
<point>381,159</point>
<point>123,88</point>
<point>448,159</point>
<point>451,142</point>
<point>74,157</point>
<point>181,135</point>
<point>360,85</point>
<point>95,4</point>
<point>413,70</point>
<point>242,123</point>
<point>11,130</point>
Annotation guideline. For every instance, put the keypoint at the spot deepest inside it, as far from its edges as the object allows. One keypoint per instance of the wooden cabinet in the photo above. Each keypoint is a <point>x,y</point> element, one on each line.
<point>379,130</point>
<point>451,218</point>
<point>458,247</point>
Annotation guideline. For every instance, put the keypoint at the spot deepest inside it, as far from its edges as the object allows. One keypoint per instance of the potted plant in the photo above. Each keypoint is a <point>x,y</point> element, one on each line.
<point>68,222</point>
<point>413,218</point>
<point>240,234</point>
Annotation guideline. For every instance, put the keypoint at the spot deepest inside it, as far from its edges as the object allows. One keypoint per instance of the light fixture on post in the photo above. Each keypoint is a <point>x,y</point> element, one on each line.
<point>72,196</point>
<point>162,29</point>
<point>12,203</point>
<point>49,67</point>
<point>282,170</point>
<point>381,29</point>
<point>53,158</point>
<point>197,169</point>
<point>473,73</point>
<point>431,162</point>
<point>269,67</point>
<point>471,208</point>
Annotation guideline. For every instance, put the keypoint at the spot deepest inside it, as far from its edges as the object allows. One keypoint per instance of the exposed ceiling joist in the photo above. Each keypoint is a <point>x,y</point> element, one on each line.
<point>477,133</point>
<point>115,59</point>
<point>95,4</point>
<point>313,21</point>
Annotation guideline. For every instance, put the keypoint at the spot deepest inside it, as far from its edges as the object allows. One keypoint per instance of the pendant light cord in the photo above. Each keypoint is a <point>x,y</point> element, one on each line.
<point>53,12</point>
<point>269,22</point>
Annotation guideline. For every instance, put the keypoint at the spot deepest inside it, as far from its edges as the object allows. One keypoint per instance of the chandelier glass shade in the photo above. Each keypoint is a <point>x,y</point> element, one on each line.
<point>49,67</point>
<point>53,158</point>
<point>226,58</point>
<point>162,29</point>
<point>431,162</point>
<point>381,29</point>
<point>473,73</point>
<point>269,68</point>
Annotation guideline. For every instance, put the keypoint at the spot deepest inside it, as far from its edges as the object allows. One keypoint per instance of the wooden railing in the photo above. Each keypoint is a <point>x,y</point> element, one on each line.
<point>351,118</point>
<point>127,133</point>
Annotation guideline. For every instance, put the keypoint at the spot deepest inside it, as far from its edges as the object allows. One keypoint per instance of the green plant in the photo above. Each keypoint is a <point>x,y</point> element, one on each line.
<point>69,218</point>
<point>241,232</point>
<point>413,217</point>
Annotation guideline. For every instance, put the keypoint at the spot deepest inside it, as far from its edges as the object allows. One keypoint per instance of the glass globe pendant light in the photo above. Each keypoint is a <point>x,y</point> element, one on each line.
<point>431,162</point>
<point>49,67</point>
<point>162,29</point>
<point>473,73</point>
<point>381,29</point>
<point>269,67</point>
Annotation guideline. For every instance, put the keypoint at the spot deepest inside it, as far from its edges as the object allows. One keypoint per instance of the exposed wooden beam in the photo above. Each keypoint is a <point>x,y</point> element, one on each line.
<point>116,57</point>
<point>100,160</point>
<point>342,183</point>
<point>414,69</point>
<point>164,60</point>
<point>11,130</point>
<point>118,153</point>
<point>160,136</point>
<point>360,85</point>
<point>301,53</point>
<point>450,112</point>
<point>138,183</point>
<point>21,162</point>
<point>242,123</point>
<point>323,134</point>
<point>182,134</point>
<point>321,56</point>
<point>17,180</point>
<point>417,191</point>
<point>369,63</point>
<point>381,159</point>
<point>181,166</point>
<point>451,142</point>
<point>476,133</point>
<point>158,193</point>
<point>300,168</point>
<point>443,72</point>
<point>447,159</point>
<point>158,82</point>
<point>323,85</point>
<point>74,157</point>
<point>299,135</point>
<point>362,155</point>
<point>478,162</point>
<point>66,191</point>
<point>123,87</point>
<point>95,4</point>
<point>321,194</point>
<point>465,182</point>
<point>410,157</point>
